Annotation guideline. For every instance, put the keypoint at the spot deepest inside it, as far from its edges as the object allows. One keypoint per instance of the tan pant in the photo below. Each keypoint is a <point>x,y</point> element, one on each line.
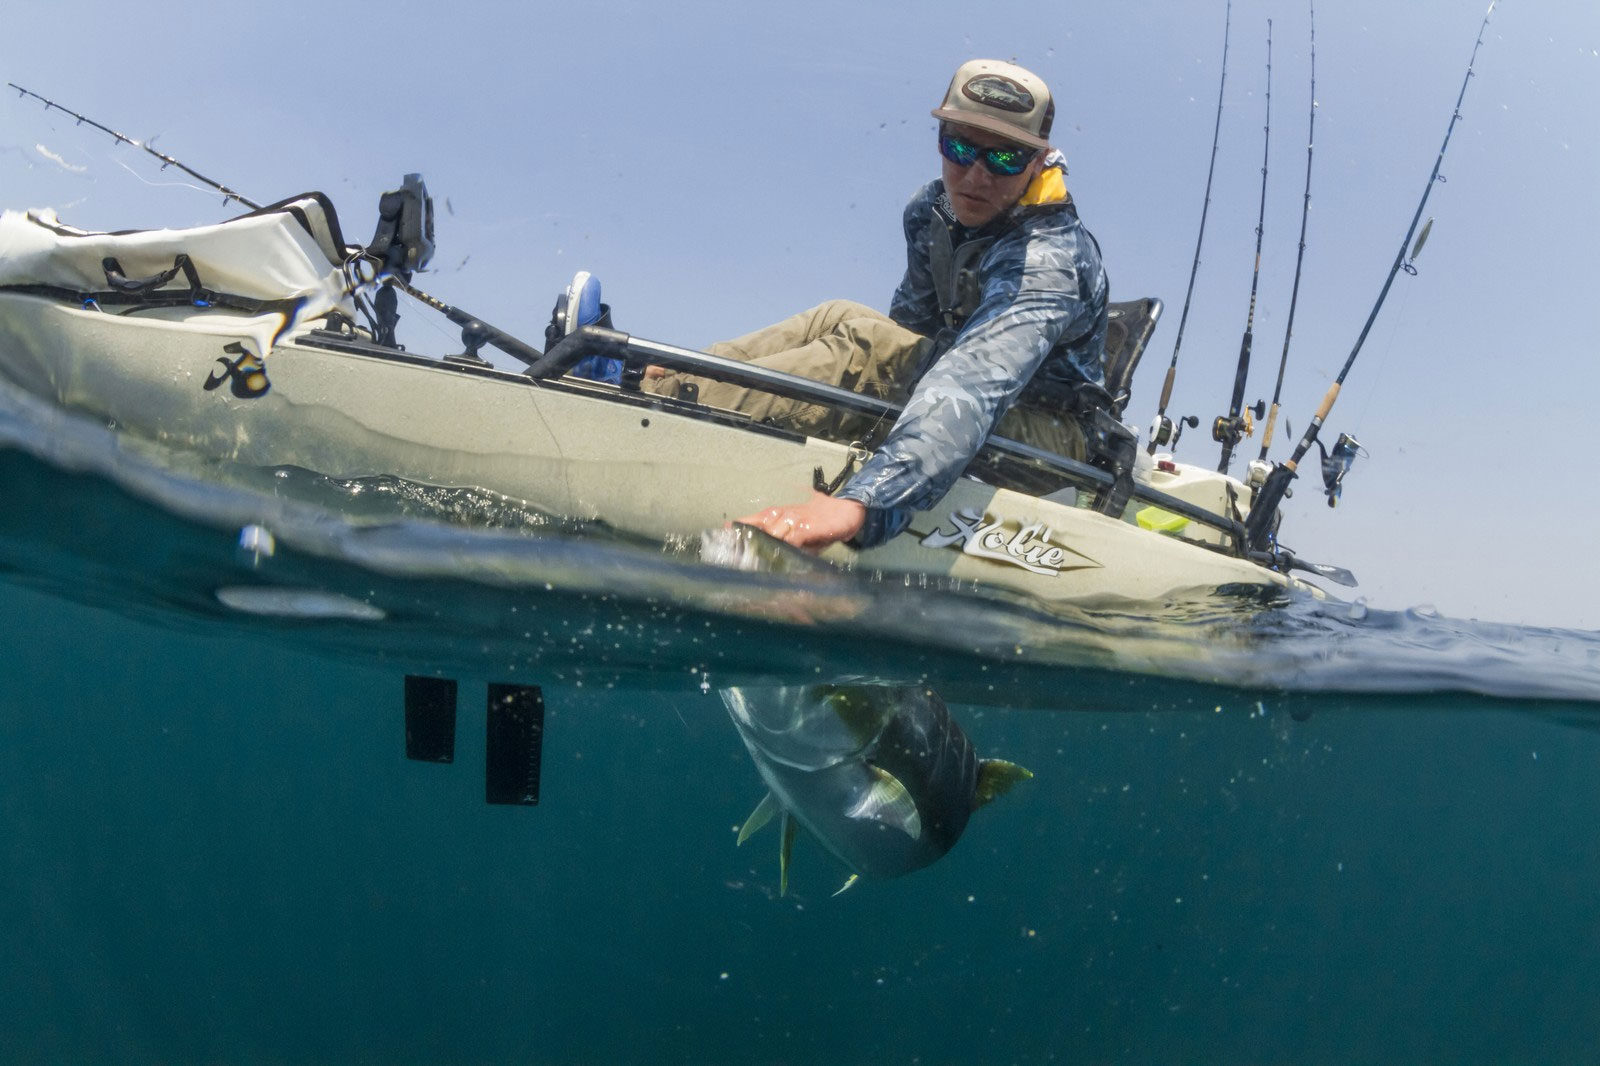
<point>851,346</point>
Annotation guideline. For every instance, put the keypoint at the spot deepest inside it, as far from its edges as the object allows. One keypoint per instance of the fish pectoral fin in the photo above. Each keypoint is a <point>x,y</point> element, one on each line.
<point>785,849</point>
<point>995,778</point>
<point>850,882</point>
<point>888,801</point>
<point>758,817</point>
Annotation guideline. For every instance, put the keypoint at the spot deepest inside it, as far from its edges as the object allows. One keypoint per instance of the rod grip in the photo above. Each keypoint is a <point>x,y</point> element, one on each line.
<point>1266,434</point>
<point>1327,402</point>
<point>1166,386</point>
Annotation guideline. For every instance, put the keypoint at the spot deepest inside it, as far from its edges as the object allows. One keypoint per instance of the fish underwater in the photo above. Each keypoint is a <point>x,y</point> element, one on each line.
<point>880,774</point>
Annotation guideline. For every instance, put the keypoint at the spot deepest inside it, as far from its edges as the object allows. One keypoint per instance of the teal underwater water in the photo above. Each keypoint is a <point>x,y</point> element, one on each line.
<point>1377,843</point>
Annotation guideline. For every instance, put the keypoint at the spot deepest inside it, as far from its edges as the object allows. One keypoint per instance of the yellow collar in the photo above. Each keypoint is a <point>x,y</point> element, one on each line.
<point>1049,186</point>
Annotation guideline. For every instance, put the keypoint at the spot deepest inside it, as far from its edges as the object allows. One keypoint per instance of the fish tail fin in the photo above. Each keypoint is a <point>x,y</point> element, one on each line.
<point>995,778</point>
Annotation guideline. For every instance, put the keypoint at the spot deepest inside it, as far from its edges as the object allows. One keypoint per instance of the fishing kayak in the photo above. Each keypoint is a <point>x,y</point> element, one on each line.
<point>239,342</point>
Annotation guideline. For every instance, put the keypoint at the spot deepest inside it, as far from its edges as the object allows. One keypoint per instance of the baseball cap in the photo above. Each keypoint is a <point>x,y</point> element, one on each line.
<point>1001,98</point>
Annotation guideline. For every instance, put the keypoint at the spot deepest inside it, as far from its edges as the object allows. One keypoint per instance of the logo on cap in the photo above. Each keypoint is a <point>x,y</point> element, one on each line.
<point>993,90</point>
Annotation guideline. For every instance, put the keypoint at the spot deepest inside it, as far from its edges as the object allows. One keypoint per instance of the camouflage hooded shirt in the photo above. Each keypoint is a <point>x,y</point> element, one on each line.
<point>1040,310</point>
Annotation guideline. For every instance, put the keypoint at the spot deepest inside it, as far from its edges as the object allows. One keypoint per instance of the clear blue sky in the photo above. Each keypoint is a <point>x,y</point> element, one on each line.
<point>721,165</point>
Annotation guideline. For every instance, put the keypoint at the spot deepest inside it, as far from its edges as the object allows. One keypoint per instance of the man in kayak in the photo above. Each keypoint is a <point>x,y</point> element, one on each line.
<point>1003,290</point>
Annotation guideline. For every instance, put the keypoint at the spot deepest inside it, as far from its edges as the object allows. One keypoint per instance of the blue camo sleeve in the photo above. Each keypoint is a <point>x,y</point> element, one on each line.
<point>915,304</point>
<point>1031,298</point>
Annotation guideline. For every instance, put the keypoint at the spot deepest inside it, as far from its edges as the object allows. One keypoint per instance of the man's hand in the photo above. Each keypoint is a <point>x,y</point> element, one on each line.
<point>813,525</point>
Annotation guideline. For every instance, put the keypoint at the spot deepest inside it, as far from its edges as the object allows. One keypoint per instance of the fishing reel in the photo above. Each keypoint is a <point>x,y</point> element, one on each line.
<point>1336,463</point>
<point>1164,432</point>
<point>1231,431</point>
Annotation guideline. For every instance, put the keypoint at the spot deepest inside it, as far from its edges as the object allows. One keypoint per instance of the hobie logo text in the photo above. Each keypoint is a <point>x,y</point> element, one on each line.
<point>1028,547</point>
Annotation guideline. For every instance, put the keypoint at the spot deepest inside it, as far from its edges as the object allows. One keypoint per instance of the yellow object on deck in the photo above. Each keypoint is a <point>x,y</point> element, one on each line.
<point>1159,521</point>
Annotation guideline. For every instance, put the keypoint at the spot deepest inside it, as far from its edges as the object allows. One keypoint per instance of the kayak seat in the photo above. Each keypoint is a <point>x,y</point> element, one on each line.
<point>1128,328</point>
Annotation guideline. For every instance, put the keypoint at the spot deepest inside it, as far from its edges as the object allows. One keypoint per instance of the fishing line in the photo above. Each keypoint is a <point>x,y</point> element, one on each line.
<point>1300,256</point>
<point>1259,526</point>
<point>1365,406</point>
<point>1164,431</point>
<point>123,163</point>
<point>1238,423</point>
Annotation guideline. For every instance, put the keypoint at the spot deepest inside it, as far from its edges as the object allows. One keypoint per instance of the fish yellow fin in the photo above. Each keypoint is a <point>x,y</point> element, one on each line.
<point>758,817</point>
<point>849,883</point>
<point>888,801</point>
<point>785,849</point>
<point>995,779</point>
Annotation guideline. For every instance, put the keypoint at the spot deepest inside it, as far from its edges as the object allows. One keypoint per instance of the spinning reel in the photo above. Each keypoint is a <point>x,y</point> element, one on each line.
<point>1164,432</point>
<point>1336,463</point>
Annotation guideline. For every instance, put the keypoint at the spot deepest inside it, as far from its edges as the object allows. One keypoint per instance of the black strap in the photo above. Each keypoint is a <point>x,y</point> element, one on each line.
<point>199,295</point>
<point>155,298</point>
<point>122,283</point>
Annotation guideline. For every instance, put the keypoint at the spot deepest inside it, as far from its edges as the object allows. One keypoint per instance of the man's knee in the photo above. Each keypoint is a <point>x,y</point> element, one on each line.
<point>840,318</point>
<point>840,310</point>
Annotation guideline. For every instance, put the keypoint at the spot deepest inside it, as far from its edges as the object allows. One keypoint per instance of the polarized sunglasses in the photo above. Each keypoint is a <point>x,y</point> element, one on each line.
<point>1002,162</point>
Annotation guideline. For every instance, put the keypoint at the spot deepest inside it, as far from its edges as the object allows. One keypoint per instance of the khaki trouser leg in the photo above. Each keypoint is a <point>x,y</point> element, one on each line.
<point>840,343</point>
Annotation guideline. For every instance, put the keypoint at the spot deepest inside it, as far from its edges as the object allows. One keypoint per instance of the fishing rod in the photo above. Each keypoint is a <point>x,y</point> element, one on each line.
<point>1260,525</point>
<point>399,252</point>
<point>1228,430</point>
<point>1299,260</point>
<point>122,138</point>
<point>1164,431</point>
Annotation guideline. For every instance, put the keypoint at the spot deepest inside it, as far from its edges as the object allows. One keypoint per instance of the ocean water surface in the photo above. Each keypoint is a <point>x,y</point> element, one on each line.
<point>1260,829</point>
